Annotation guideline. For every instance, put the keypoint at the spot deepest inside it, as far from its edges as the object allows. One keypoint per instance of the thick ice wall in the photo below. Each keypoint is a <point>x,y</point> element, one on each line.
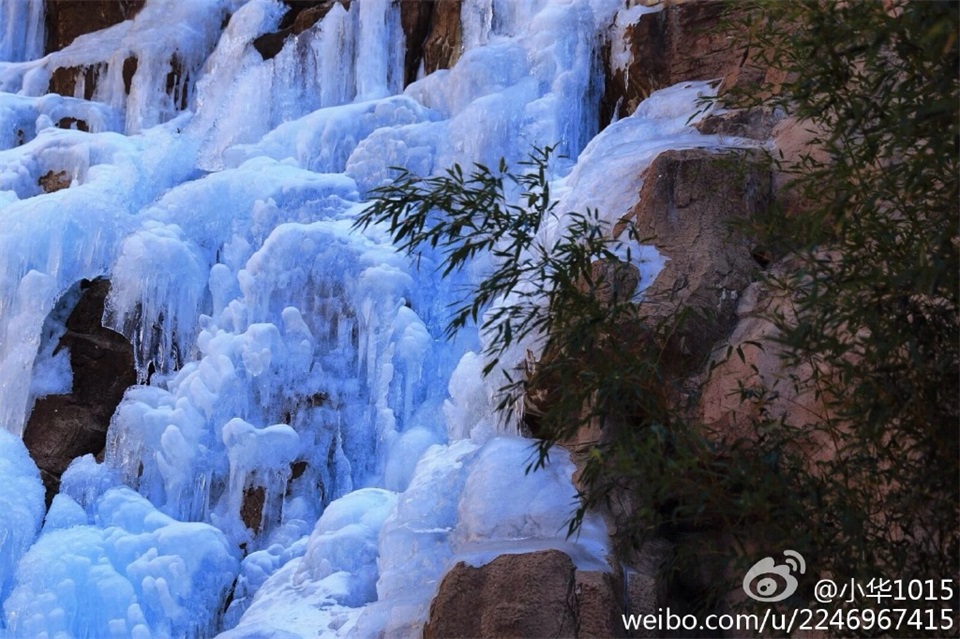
<point>309,354</point>
<point>533,82</point>
<point>21,30</point>
<point>165,272</point>
<point>529,76</point>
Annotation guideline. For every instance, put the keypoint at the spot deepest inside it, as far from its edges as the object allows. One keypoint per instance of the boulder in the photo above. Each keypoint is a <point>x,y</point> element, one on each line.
<point>598,594</point>
<point>529,595</point>
<point>64,427</point>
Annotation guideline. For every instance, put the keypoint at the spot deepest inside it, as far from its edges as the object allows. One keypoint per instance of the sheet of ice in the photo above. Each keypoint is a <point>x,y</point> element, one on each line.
<point>316,359</point>
<point>351,54</point>
<point>133,573</point>
<point>322,141</point>
<point>21,502</point>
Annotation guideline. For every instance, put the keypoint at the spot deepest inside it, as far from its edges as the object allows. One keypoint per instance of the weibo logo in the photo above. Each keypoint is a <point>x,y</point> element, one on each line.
<point>768,581</point>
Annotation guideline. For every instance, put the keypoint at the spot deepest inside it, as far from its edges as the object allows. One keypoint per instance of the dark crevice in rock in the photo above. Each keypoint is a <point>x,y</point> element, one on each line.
<point>64,427</point>
<point>416,18</point>
<point>433,34</point>
<point>178,82</point>
<point>73,123</point>
<point>444,43</point>
<point>251,510</point>
<point>129,69</point>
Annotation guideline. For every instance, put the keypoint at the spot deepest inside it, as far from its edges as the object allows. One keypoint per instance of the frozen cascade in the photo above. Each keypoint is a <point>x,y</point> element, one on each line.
<point>21,33</point>
<point>301,437</point>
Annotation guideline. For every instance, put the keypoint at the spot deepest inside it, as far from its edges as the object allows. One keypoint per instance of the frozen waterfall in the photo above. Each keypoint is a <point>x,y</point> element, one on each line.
<point>283,358</point>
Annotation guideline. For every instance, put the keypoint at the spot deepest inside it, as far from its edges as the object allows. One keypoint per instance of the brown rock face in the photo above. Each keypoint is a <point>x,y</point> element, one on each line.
<point>63,427</point>
<point>530,595</point>
<point>690,203</point>
<point>433,33</point>
<point>682,42</point>
<point>444,43</point>
<point>66,20</point>
<point>755,124</point>
<point>597,598</point>
<point>416,17</point>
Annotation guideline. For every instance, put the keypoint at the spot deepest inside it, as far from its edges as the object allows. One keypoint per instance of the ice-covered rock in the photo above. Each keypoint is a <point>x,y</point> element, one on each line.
<point>134,572</point>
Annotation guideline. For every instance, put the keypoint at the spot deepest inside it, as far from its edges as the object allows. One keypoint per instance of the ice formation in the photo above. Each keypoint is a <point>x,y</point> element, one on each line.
<point>302,437</point>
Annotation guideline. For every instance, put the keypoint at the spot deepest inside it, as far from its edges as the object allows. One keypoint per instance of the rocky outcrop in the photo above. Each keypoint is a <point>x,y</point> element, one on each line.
<point>66,20</point>
<point>539,594</point>
<point>683,41</point>
<point>416,18</point>
<point>63,427</point>
<point>691,203</point>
